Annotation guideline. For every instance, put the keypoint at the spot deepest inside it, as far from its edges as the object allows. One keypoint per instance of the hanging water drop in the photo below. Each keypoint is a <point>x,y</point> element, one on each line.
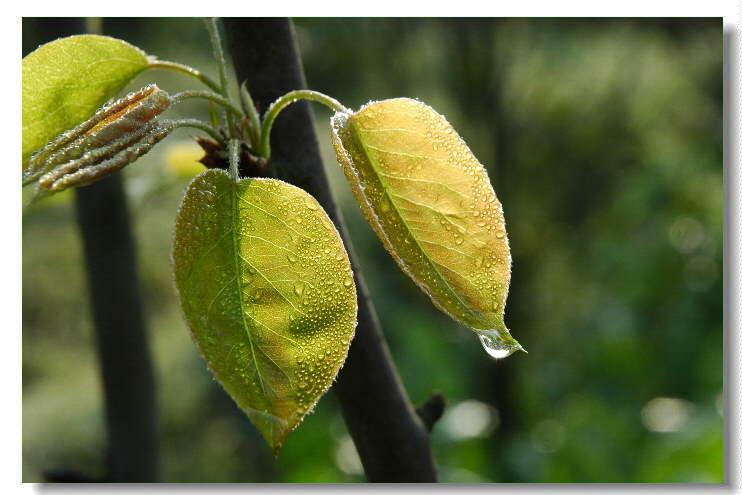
<point>498,344</point>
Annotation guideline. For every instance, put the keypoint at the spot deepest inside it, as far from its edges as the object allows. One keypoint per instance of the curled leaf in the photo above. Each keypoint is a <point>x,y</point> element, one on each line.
<point>66,80</point>
<point>432,205</point>
<point>267,290</point>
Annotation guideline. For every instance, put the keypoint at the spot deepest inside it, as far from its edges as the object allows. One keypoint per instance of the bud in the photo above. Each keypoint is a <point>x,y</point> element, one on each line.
<point>94,168</point>
<point>116,126</point>
<point>116,135</point>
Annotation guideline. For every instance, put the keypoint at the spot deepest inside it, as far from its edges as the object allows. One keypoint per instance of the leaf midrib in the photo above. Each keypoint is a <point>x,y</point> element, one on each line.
<point>404,222</point>
<point>238,269</point>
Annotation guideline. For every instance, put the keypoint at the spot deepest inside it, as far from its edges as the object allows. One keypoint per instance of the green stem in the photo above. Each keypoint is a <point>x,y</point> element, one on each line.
<point>194,93</point>
<point>283,102</point>
<point>216,44</point>
<point>197,124</point>
<point>253,118</point>
<point>234,159</point>
<point>174,66</point>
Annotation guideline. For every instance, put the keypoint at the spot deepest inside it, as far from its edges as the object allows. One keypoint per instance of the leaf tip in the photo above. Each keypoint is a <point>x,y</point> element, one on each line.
<point>498,343</point>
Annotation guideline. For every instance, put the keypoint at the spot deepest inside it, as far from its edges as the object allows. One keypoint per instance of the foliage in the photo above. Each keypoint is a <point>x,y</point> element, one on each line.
<point>235,296</point>
<point>267,290</point>
<point>606,136</point>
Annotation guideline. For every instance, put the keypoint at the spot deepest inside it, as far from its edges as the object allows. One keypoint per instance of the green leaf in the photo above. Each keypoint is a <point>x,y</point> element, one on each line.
<point>267,290</point>
<point>432,205</point>
<point>66,80</point>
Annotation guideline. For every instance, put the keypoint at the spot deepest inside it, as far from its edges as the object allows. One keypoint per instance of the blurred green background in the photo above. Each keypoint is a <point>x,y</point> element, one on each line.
<point>603,140</point>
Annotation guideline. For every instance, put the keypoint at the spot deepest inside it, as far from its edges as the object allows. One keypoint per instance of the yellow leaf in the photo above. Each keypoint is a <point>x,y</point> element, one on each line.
<point>267,290</point>
<point>432,205</point>
<point>182,159</point>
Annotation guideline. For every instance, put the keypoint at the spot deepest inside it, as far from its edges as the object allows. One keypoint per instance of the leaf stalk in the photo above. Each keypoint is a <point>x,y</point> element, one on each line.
<point>184,69</point>
<point>221,63</point>
<point>217,98</point>
<point>283,102</point>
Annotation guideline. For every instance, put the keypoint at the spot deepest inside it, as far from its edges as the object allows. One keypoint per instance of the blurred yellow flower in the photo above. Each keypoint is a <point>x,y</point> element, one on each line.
<point>182,158</point>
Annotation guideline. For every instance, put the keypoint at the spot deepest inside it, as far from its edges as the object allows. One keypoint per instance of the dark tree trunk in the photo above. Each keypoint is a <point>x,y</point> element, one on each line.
<point>391,439</point>
<point>123,349</point>
<point>120,330</point>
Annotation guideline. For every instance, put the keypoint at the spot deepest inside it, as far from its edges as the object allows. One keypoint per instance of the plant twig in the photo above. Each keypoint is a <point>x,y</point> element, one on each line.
<point>216,44</point>
<point>431,410</point>
<point>207,95</point>
<point>184,69</point>
<point>283,102</point>
<point>197,124</point>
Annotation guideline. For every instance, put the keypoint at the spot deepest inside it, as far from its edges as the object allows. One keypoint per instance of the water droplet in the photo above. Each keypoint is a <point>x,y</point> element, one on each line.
<point>498,344</point>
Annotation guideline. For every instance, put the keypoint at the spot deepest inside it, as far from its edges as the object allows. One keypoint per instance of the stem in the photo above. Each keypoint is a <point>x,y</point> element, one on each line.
<point>174,66</point>
<point>253,118</point>
<point>283,102</point>
<point>234,159</point>
<point>391,439</point>
<point>216,44</point>
<point>194,93</point>
<point>196,124</point>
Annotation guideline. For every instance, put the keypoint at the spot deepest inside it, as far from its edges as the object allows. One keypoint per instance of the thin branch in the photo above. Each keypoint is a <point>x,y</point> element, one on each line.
<point>184,69</point>
<point>196,124</point>
<point>283,102</point>
<point>207,95</point>
<point>216,44</point>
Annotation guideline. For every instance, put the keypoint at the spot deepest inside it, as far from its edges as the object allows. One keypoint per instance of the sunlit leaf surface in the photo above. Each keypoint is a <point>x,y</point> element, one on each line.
<point>268,293</point>
<point>66,80</point>
<point>432,205</point>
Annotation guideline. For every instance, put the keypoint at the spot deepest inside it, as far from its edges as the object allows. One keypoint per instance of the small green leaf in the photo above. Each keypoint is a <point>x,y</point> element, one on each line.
<point>432,205</point>
<point>267,290</point>
<point>68,79</point>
